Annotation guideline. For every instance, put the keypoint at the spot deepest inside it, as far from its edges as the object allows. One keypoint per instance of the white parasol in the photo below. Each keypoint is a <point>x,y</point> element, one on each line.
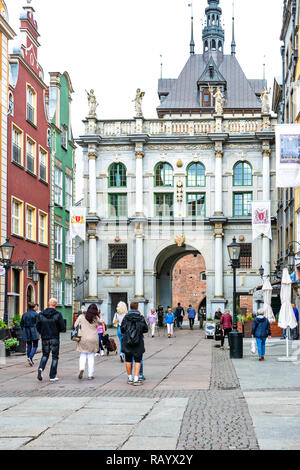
<point>286,315</point>
<point>267,295</point>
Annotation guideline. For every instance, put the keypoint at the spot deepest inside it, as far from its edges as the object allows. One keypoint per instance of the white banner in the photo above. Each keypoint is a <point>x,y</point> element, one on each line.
<point>288,155</point>
<point>78,222</point>
<point>261,219</point>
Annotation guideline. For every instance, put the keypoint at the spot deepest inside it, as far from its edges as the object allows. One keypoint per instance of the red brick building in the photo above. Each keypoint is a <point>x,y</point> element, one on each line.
<point>189,282</point>
<point>28,171</point>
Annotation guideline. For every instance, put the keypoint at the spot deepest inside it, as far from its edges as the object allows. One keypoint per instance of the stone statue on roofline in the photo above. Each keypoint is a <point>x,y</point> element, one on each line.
<point>219,100</point>
<point>265,108</point>
<point>138,102</point>
<point>92,102</point>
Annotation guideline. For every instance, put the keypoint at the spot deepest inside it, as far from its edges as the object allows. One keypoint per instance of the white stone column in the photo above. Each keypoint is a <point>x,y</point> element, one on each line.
<point>266,243</point>
<point>218,183</point>
<point>92,155</point>
<point>93,277</point>
<point>219,289</point>
<point>139,266</point>
<point>139,182</point>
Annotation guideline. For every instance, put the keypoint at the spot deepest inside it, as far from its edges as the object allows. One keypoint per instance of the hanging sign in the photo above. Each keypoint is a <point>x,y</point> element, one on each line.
<point>288,155</point>
<point>261,219</point>
<point>78,222</point>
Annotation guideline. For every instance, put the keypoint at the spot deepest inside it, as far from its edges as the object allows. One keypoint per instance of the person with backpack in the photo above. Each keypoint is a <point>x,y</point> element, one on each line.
<point>50,324</point>
<point>179,314</point>
<point>133,328</point>
<point>261,330</point>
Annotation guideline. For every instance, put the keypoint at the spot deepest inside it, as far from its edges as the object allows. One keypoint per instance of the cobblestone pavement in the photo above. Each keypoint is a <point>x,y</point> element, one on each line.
<point>191,400</point>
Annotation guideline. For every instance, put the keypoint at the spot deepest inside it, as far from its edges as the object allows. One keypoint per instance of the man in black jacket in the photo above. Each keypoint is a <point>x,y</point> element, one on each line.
<point>179,314</point>
<point>133,328</point>
<point>50,324</point>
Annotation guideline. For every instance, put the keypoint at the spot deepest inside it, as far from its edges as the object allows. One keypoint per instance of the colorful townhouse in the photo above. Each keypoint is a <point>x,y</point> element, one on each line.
<point>6,34</point>
<point>62,175</point>
<point>28,172</point>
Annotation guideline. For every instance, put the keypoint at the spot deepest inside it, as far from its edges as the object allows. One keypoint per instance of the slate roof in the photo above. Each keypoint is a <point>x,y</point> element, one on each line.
<point>183,92</point>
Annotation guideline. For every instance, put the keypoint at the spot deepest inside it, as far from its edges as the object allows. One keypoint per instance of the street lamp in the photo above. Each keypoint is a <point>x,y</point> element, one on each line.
<point>35,276</point>
<point>6,253</point>
<point>235,338</point>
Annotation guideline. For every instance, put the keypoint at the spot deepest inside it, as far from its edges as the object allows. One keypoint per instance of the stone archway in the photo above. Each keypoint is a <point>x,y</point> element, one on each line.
<point>164,266</point>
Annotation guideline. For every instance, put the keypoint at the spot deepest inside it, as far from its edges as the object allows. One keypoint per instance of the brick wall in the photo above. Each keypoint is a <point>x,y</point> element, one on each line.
<point>246,303</point>
<point>188,286</point>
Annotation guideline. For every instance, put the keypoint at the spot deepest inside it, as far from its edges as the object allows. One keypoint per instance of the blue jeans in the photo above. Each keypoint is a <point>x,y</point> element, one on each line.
<point>100,342</point>
<point>261,346</point>
<point>120,336</point>
<point>32,348</point>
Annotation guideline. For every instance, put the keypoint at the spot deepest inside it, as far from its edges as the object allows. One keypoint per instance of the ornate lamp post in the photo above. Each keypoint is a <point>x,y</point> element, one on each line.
<point>235,338</point>
<point>6,253</point>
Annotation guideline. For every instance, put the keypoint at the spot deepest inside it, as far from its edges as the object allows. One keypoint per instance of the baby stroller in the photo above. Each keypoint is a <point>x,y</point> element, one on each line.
<point>109,344</point>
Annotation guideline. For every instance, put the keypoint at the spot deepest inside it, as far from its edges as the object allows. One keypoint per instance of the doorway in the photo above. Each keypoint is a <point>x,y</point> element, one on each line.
<point>115,298</point>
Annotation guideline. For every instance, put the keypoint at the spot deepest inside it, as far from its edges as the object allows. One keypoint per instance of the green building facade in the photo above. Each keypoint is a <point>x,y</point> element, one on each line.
<point>62,193</point>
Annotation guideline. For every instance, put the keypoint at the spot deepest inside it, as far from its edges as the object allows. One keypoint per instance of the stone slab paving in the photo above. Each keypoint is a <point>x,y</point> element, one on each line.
<point>271,390</point>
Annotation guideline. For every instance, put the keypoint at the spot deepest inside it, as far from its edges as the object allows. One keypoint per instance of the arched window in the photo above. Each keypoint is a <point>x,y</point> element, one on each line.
<point>196,175</point>
<point>242,174</point>
<point>213,45</point>
<point>205,46</point>
<point>163,175</point>
<point>117,176</point>
<point>220,46</point>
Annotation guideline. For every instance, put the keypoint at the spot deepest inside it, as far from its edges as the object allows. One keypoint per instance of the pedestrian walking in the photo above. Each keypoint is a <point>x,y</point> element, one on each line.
<point>218,314</point>
<point>29,332</point>
<point>169,321</point>
<point>88,345</point>
<point>160,316</point>
<point>133,328</point>
<point>226,322</point>
<point>261,330</point>
<point>191,316</point>
<point>101,333</point>
<point>179,315</point>
<point>50,324</point>
<point>117,321</point>
<point>152,318</point>
<point>295,331</point>
<point>201,317</point>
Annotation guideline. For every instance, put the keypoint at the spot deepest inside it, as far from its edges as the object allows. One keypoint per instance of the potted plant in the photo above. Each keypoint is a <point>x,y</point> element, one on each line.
<point>248,323</point>
<point>17,333</point>
<point>3,330</point>
<point>240,323</point>
<point>10,345</point>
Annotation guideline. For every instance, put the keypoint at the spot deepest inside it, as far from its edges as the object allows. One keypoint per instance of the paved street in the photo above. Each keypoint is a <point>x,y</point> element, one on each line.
<point>194,397</point>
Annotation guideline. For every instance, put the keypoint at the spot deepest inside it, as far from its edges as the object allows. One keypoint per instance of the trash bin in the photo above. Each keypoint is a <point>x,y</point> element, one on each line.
<point>236,345</point>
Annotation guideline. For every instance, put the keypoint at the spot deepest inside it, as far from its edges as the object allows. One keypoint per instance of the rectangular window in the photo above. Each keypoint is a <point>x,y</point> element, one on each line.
<point>58,236</point>
<point>43,165</point>
<point>246,256</point>
<point>117,205</point>
<point>64,137</point>
<point>17,146</point>
<point>69,192</point>
<point>163,205</point>
<point>58,291</point>
<point>30,156</point>
<point>196,205</point>
<point>30,223</point>
<point>17,218</point>
<point>58,186</point>
<point>69,247</point>
<point>117,256</point>
<point>30,105</point>
<point>68,293</point>
<point>43,228</point>
<point>242,204</point>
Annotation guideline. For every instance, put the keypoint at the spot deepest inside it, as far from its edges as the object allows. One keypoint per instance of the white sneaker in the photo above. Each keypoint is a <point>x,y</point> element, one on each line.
<point>101,353</point>
<point>97,354</point>
<point>56,379</point>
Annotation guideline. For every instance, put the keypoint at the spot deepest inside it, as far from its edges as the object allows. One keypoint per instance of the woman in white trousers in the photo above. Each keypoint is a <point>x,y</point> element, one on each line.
<point>152,318</point>
<point>89,343</point>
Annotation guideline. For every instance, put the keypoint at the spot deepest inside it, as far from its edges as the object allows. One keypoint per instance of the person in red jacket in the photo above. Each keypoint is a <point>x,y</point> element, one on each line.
<point>226,322</point>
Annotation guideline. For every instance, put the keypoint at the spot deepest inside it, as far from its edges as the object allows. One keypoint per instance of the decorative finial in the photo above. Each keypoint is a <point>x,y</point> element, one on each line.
<point>233,44</point>
<point>161,66</point>
<point>192,43</point>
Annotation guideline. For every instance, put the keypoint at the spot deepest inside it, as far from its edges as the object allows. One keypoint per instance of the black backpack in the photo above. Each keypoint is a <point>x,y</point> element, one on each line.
<point>133,333</point>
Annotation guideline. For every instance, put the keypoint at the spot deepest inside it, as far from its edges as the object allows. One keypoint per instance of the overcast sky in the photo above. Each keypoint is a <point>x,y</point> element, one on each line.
<point>114,46</point>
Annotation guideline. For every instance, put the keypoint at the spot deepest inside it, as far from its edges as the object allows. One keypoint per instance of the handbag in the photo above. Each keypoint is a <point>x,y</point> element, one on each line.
<point>253,346</point>
<point>76,334</point>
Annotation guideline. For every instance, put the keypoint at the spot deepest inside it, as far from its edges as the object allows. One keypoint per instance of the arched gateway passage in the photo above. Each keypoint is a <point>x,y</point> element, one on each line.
<point>170,278</point>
